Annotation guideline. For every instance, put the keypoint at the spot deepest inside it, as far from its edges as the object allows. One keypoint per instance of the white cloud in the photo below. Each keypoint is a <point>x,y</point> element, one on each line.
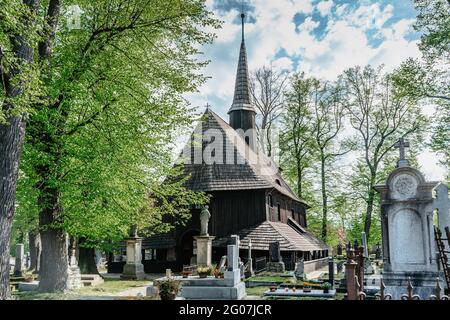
<point>283,64</point>
<point>273,37</point>
<point>324,7</point>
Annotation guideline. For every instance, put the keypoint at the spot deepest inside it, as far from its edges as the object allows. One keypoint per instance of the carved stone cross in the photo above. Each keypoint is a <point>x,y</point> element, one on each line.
<point>402,144</point>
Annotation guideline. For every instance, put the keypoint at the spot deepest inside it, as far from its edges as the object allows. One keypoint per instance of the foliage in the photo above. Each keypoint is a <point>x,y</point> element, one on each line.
<point>208,270</point>
<point>168,287</point>
<point>111,104</point>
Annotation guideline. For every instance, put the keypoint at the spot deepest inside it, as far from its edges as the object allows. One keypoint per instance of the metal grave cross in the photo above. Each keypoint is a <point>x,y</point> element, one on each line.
<point>402,144</point>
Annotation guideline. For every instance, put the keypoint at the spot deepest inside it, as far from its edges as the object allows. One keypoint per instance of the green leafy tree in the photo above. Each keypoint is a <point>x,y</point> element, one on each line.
<point>110,98</point>
<point>380,113</point>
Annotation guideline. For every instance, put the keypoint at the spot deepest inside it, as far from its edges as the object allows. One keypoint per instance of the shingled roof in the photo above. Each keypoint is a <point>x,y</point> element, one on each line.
<point>239,167</point>
<point>291,236</point>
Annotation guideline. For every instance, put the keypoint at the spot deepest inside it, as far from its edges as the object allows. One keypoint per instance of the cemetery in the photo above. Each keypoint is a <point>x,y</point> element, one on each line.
<point>317,194</point>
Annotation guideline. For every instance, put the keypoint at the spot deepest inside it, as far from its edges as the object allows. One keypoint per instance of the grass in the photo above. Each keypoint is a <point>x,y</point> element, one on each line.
<point>109,288</point>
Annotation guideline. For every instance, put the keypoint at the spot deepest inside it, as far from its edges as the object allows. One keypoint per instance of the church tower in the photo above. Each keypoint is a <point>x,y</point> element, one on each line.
<point>242,113</point>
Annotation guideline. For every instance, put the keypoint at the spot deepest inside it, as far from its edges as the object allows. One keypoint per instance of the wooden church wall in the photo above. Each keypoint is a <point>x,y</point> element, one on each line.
<point>232,211</point>
<point>287,205</point>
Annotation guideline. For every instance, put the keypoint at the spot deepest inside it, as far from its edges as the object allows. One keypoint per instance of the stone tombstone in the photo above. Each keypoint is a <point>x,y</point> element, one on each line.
<point>409,248</point>
<point>234,240</point>
<point>442,204</point>
<point>232,257</point>
<point>300,269</point>
<point>250,271</point>
<point>233,272</point>
<point>364,244</point>
<point>378,251</point>
<point>133,268</point>
<point>19,269</point>
<point>331,272</point>
<point>275,252</point>
<point>339,250</point>
<point>275,263</point>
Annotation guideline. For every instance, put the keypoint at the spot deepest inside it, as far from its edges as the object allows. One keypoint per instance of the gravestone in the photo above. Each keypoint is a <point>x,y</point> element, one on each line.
<point>331,272</point>
<point>339,249</point>
<point>249,271</point>
<point>442,204</point>
<point>231,287</point>
<point>19,269</point>
<point>300,268</point>
<point>133,269</point>
<point>364,244</point>
<point>378,251</point>
<point>74,274</point>
<point>409,248</point>
<point>275,263</point>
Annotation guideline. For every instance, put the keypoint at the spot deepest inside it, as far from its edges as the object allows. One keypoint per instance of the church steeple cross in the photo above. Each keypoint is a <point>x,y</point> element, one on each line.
<point>401,145</point>
<point>243,19</point>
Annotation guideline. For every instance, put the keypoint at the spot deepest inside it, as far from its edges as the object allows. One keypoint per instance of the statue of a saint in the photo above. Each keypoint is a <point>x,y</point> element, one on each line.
<point>204,219</point>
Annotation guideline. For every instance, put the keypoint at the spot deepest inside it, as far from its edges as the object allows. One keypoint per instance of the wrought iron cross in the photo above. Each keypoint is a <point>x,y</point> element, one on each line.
<point>402,144</point>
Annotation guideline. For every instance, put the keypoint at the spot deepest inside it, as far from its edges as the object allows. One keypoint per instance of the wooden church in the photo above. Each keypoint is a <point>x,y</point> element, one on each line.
<point>249,197</point>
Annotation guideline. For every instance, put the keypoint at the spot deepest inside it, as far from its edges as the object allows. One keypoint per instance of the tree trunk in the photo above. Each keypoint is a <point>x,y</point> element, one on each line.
<point>324,199</point>
<point>12,137</point>
<point>34,240</point>
<point>299,180</point>
<point>11,143</point>
<point>54,261</point>
<point>369,209</point>
<point>53,272</point>
<point>86,261</point>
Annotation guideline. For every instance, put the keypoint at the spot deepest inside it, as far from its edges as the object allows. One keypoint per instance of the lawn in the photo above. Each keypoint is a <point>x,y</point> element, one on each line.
<point>110,287</point>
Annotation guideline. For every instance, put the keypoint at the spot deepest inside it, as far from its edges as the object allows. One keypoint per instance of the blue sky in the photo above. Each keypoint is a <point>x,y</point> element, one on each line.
<point>322,38</point>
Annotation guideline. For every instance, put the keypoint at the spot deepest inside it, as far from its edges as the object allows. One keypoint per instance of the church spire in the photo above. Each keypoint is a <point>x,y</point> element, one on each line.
<point>242,101</point>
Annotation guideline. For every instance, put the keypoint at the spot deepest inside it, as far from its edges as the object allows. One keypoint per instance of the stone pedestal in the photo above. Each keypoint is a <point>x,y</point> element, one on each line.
<point>204,250</point>
<point>133,269</point>
<point>19,269</point>
<point>424,283</point>
<point>74,274</point>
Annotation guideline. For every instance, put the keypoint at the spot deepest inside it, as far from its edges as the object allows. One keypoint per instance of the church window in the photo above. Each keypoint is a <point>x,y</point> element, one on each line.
<point>270,200</point>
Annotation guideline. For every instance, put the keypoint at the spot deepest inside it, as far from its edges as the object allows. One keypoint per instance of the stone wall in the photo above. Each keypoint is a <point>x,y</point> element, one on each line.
<point>319,264</point>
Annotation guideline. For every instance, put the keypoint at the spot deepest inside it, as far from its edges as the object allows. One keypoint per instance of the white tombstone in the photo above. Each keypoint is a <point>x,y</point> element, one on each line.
<point>409,248</point>
<point>442,204</point>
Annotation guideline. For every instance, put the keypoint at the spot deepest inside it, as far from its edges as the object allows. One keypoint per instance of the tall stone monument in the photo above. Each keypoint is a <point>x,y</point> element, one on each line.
<point>407,230</point>
<point>442,205</point>
<point>19,268</point>
<point>74,274</point>
<point>133,269</point>
<point>249,271</point>
<point>204,241</point>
